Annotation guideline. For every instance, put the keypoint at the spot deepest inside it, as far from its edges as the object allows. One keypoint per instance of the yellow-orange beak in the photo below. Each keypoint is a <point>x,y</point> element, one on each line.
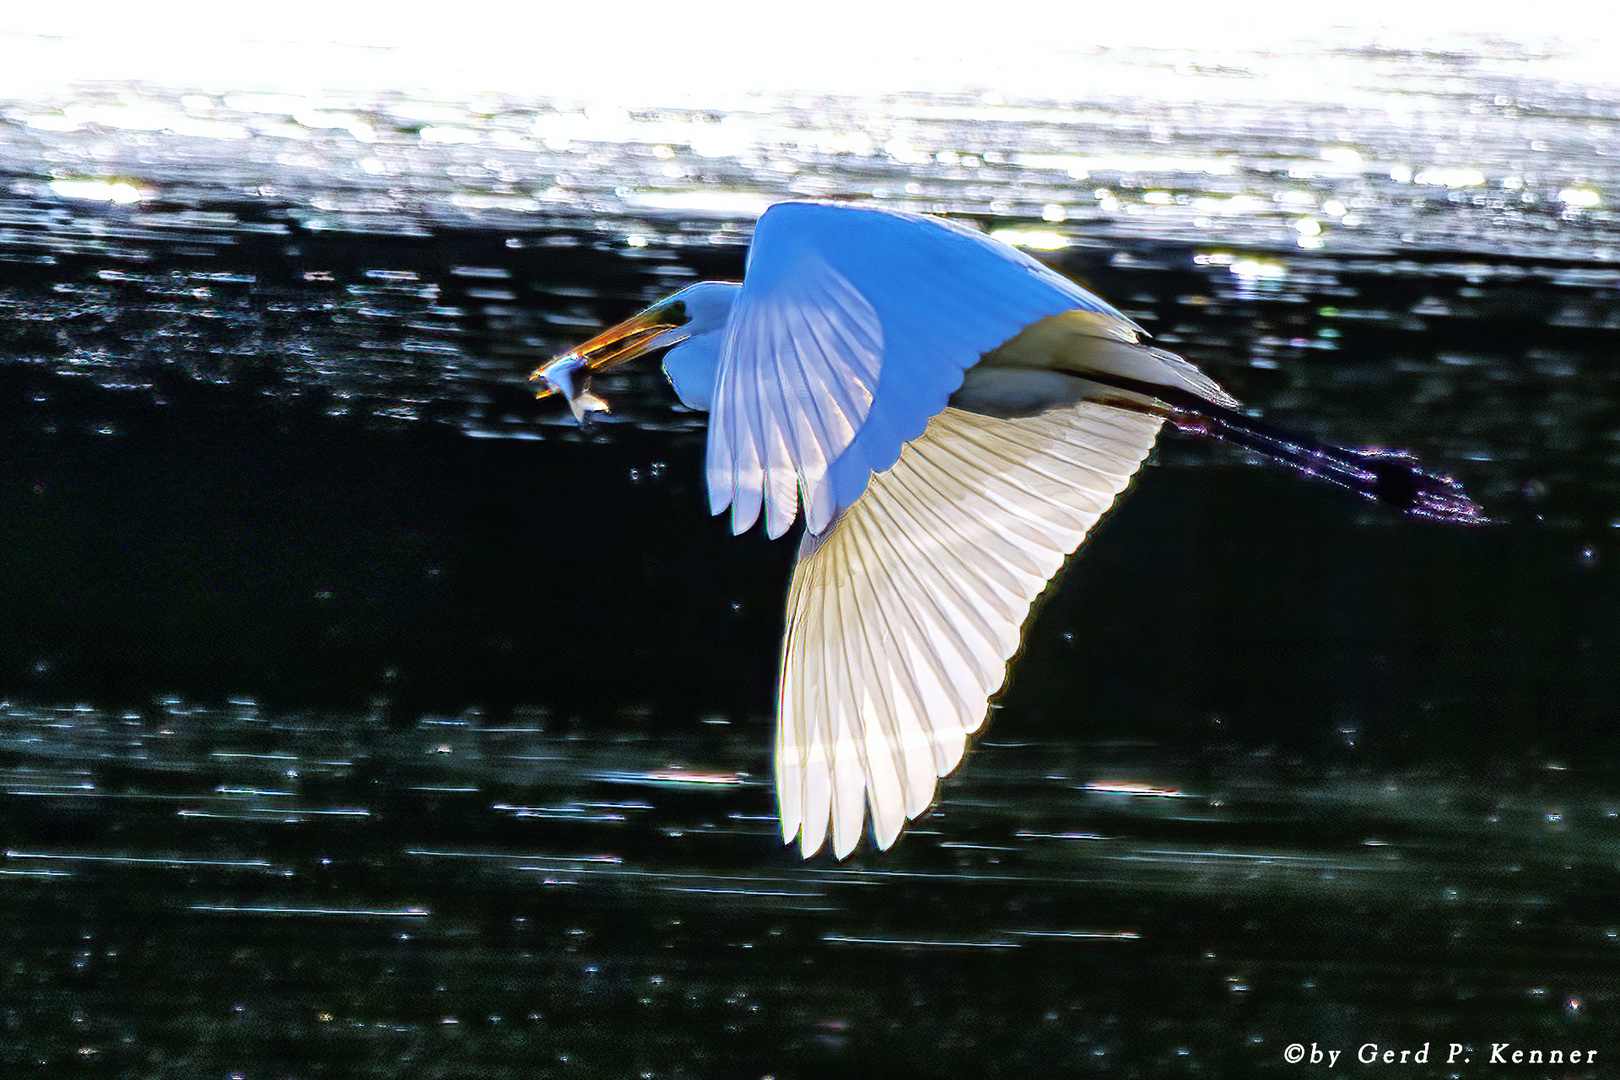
<point>610,348</point>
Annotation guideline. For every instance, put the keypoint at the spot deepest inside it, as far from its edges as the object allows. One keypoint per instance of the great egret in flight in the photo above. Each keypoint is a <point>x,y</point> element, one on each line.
<point>951,417</point>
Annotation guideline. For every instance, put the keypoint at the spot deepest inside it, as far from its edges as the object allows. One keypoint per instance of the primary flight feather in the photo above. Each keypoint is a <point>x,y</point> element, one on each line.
<point>950,417</point>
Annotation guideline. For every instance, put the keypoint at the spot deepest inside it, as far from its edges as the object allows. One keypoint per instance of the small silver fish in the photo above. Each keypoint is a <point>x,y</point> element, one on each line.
<point>570,376</point>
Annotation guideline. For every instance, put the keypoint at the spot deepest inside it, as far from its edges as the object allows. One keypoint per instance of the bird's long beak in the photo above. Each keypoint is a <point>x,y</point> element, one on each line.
<point>611,347</point>
<point>570,374</point>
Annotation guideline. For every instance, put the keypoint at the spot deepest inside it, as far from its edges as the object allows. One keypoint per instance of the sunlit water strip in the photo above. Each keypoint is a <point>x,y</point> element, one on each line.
<point>724,50</point>
<point>1261,132</point>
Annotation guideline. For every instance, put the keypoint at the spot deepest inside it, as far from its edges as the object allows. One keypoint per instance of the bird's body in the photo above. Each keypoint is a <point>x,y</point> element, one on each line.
<point>953,418</point>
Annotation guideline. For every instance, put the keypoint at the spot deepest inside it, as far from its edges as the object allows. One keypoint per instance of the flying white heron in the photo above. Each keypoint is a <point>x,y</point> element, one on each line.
<point>952,418</point>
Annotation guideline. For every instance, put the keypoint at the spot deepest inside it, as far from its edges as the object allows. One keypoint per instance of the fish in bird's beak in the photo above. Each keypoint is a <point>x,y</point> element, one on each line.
<point>570,373</point>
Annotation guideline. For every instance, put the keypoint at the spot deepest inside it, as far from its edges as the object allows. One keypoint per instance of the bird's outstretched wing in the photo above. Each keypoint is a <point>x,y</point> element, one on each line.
<point>901,618</point>
<point>852,329</point>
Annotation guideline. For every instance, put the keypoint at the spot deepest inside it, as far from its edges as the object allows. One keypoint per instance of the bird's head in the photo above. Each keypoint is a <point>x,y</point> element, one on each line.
<point>697,311</point>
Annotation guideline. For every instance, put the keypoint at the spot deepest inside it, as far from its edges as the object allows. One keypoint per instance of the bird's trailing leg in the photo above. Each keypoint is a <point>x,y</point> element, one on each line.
<point>1392,477</point>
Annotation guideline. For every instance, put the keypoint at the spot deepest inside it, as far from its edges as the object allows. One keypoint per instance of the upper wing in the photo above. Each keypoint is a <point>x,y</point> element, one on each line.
<point>901,620</point>
<point>853,326</point>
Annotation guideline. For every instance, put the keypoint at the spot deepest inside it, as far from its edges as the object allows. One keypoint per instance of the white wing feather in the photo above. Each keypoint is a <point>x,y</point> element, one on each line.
<point>852,328</point>
<point>799,368</point>
<point>902,617</point>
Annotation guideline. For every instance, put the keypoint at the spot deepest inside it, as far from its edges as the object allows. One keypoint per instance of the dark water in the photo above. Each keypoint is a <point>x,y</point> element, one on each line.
<point>363,717</point>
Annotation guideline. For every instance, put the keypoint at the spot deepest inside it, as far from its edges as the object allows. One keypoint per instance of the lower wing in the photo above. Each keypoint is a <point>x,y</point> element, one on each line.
<point>903,615</point>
